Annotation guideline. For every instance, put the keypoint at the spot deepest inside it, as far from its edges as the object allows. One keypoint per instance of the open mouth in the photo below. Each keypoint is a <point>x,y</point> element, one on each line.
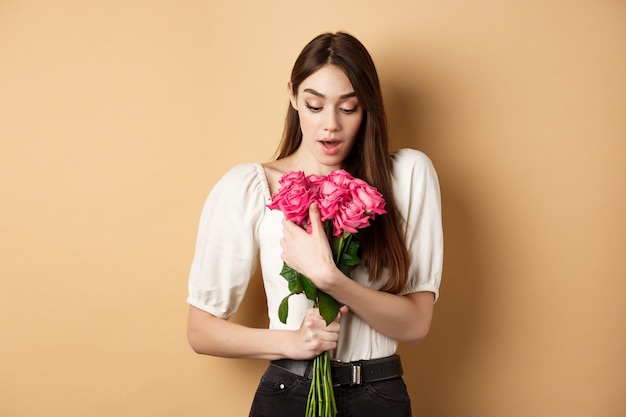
<point>330,147</point>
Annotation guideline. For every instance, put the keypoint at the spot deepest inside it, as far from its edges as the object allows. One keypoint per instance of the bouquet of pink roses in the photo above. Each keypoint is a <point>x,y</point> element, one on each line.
<point>346,204</point>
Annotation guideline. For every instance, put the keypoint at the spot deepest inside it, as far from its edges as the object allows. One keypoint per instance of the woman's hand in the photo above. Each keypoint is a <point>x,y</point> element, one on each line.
<point>314,336</point>
<point>405,318</point>
<point>309,254</point>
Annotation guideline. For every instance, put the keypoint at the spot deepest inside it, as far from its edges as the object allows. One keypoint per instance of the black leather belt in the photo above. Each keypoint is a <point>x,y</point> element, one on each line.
<point>349,373</point>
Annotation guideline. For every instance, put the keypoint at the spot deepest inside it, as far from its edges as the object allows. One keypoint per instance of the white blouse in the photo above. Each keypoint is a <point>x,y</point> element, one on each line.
<point>237,229</point>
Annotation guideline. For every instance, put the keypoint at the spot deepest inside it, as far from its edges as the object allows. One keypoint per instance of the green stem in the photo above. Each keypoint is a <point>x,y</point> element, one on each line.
<point>339,250</point>
<point>321,398</point>
<point>344,242</point>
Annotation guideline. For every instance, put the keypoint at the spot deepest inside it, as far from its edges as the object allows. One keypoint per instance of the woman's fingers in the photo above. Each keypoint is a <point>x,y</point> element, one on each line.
<point>314,216</point>
<point>316,336</point>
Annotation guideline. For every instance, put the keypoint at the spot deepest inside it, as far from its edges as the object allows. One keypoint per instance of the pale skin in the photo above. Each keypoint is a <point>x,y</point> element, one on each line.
<point>404,318</point>
<point>330,117</point>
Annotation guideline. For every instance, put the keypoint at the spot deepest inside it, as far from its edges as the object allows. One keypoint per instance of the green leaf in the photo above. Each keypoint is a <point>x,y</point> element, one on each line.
<point>295,286</point>
<point>353,247</point>
<point>293,279</point>
<point>345,269</point>
<point>349,259</point>
<point>329,307</point>
<point>287,272</point>
<point>310,290</point>
<point>283,309</point>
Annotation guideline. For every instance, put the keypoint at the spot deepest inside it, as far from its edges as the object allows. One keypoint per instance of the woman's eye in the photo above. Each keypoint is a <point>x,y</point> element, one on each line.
<point>349,111</point>
<point>312,108</point>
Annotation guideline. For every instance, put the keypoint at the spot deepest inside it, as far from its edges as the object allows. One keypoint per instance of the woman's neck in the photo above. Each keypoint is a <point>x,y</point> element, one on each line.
<point>301,161</point>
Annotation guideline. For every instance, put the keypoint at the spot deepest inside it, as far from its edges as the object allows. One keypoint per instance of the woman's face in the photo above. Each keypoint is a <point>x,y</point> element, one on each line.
<point>330,118</point>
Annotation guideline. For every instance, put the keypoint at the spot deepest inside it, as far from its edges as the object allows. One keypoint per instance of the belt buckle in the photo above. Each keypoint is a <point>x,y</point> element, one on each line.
<point>355,374</point>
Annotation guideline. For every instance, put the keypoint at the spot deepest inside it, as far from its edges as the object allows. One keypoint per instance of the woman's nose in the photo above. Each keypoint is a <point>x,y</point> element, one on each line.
<point>332,121</point>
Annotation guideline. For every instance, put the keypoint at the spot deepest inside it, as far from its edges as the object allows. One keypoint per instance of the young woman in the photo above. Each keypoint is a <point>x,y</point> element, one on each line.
<point>335,120</point>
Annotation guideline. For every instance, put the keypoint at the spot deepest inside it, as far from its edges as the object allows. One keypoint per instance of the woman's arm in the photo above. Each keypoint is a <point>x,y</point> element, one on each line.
<point>210,335</point>
<point>404,318</point>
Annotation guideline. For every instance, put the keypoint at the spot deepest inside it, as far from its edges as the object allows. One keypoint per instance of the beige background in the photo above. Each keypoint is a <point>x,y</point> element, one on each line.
<point>117,117</point>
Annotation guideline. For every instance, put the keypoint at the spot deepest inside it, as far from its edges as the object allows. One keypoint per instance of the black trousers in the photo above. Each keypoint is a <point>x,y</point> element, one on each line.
<point>283,394</point>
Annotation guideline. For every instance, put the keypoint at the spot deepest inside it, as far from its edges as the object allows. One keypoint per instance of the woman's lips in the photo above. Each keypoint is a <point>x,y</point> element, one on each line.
<point>330,146</point>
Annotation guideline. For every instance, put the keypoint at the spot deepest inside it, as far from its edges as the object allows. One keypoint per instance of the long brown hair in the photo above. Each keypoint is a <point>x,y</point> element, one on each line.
<point>382,244</point>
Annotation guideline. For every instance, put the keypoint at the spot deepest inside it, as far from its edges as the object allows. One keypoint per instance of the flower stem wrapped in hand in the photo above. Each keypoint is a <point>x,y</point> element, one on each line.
<point>346,204</point>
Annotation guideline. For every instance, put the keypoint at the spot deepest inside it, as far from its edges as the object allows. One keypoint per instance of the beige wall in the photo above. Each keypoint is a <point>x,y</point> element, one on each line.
<point>116,118</point>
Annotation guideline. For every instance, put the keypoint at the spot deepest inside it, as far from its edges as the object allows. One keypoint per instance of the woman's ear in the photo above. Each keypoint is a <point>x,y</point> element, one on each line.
<point>292,96</point>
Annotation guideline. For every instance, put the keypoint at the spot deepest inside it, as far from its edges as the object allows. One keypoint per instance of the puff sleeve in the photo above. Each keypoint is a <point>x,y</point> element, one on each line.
<point>417,194</point>
<point>226,253</point>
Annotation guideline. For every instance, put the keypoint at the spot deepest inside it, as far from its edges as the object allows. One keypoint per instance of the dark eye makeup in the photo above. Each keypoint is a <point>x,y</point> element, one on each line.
<point>316,109</point>
<point>312,108</point>
<point>350,111</point>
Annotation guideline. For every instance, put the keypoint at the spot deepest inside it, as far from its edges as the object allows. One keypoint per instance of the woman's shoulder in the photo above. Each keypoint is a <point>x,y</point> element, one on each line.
<point>242,170</point>
<point>246,172</point>
<point>245,177</point>
<point>407,159</point>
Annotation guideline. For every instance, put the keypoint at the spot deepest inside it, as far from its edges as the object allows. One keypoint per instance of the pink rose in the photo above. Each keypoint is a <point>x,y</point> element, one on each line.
<point>334,192</point>
<point>350,217</point>
<point>293,198</point>
<point>369,196</point>
<point>315,182</point>
<point>341,178</point>
<point>348,202</point>
<point>292,177</point>
<point>329,198</point>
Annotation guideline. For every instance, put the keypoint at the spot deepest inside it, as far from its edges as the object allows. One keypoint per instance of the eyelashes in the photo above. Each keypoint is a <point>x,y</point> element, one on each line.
<point>313,108</point>
<point>316,109</point>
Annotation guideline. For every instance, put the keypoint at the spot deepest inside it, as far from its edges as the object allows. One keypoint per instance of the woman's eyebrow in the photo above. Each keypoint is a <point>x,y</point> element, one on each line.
<point>317,93</point>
